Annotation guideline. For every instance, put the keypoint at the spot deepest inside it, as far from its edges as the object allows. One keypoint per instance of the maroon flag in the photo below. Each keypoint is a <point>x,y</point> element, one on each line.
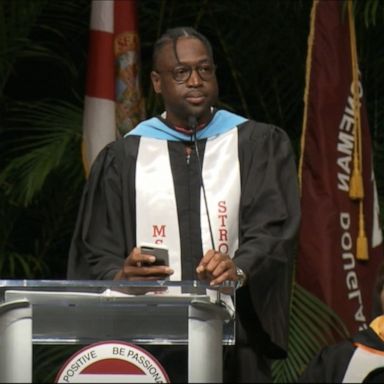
<point>113,101</point>
<point>340,237</point>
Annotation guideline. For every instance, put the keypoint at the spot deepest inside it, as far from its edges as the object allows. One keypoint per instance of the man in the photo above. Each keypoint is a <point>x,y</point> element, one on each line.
<point>152,186</point>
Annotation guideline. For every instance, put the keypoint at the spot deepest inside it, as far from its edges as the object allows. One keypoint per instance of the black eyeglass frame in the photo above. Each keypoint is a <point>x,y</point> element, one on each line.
<point>188,73</point>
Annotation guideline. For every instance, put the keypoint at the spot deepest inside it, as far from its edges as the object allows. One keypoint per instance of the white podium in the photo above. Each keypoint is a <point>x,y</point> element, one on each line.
<point>84,312</point>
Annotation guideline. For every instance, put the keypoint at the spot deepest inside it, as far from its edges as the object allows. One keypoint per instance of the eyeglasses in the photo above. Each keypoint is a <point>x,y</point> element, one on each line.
<point>182,73</point>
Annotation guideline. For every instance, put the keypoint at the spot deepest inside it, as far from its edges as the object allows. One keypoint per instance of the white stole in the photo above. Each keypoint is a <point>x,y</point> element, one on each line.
<point>156,211</point>
<point>363,361</point>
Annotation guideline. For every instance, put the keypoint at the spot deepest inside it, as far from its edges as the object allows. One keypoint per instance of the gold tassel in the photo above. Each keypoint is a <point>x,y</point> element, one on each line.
<point>362,242</point>
<point>356,188</point>
<point>362,247</point>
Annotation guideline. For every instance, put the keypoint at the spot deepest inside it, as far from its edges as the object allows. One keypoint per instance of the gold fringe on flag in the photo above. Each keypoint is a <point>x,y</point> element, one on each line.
<point>311,39</point>
<point>356,189</point>
<point>84,157</point>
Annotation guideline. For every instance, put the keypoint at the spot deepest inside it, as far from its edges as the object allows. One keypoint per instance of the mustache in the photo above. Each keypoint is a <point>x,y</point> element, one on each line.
<point>194,93</point>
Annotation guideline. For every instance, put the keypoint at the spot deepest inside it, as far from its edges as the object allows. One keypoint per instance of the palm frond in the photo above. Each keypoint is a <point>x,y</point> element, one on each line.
<point>48,359</point>
<point>16,264</point>
<point>16,22</point>
<point>312,326</point>
<point>39,141</point>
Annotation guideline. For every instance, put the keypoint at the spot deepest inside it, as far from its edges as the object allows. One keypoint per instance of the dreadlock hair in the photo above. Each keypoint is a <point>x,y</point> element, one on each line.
<point>172,35</point>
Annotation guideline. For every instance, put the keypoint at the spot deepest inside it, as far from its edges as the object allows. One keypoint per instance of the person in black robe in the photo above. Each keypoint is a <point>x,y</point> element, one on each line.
<point>156,173</point>
<point>359,359</point>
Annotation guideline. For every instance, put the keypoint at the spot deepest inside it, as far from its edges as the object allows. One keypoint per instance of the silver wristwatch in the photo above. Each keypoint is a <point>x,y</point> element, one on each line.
<point>241,277</point>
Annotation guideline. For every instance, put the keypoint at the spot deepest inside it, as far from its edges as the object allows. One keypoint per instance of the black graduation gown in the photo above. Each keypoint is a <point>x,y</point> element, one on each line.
<point>331,362</point>
<point>269,218</point>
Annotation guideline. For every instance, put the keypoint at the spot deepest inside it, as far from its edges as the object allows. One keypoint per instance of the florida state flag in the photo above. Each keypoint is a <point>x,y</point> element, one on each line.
<point>113,101</point>
<point>340,238</point>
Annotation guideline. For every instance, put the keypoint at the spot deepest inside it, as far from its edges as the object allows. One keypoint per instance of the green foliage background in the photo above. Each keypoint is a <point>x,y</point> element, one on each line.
<point>260,49</point>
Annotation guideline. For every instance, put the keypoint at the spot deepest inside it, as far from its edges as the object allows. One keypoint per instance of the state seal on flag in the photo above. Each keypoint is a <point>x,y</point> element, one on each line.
<point>112,362</point>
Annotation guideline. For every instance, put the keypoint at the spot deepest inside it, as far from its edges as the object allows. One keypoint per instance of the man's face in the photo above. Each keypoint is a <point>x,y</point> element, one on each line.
<point>195,96</point>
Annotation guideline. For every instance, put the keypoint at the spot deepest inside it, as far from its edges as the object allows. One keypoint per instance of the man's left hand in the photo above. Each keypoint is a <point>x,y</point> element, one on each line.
<point>216,267</point>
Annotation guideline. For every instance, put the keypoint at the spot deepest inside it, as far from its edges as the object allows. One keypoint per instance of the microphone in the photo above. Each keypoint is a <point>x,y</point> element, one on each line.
<point>192,124</point>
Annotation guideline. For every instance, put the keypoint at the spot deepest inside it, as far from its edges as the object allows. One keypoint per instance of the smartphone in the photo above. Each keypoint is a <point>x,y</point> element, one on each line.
<point>158,250</point>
